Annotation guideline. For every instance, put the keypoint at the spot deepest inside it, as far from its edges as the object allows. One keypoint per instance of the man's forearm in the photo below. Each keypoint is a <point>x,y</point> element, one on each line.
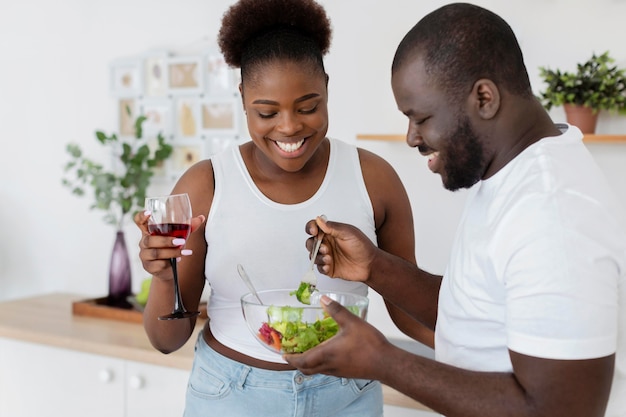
<point>409,288</point>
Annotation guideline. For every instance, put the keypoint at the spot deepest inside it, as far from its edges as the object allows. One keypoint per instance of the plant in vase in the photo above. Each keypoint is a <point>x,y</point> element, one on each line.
<point>596,85</point>
<point>119,192</point>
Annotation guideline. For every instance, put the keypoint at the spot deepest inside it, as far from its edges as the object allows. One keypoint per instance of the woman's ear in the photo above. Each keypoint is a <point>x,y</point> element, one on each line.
<point>486,96</point>
<point>243,102</point>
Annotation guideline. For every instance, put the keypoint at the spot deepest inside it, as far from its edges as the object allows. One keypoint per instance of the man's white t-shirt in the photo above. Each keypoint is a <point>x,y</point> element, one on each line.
<point>538,267</point>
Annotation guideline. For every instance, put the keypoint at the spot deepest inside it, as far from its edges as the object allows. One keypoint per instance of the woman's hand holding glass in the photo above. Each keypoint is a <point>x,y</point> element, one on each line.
<point>165,224</point>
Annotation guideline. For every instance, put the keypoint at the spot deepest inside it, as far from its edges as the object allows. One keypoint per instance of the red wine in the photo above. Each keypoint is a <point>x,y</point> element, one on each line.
<point>170,229</point>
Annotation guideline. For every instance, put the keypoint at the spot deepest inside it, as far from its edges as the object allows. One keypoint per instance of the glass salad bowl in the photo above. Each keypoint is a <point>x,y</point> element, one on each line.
<point>285,325</point>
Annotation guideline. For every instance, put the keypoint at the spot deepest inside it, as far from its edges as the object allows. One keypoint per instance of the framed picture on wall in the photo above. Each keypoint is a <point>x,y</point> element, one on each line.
<point>160,170</point>
<point>159,116</point>
<point>155,70</point>
<point>126,78</point>
<point>126,116</point>
<point>187,116</point>
<point>185,153</point>
<point>184,75</point>
<point>220,79</point>
<point>219,116</point>
<point>216,144</point>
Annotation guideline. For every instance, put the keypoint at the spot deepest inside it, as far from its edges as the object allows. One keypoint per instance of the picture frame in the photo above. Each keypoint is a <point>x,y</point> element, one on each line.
<point>184,75</point>
<point>126,113</point>
<point>160,170</point>
<point>155,69</point>
<point>185,153</point>
<point>220,79</point>
<point>159,116</point>
<point>187,116</point>
<point>218,143</point>
<point>126,78</point>
<point>219,116</point>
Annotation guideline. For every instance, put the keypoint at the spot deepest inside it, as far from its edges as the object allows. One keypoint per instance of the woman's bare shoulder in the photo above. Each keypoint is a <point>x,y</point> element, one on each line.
<point>199,182</point>
<point>371,161</point>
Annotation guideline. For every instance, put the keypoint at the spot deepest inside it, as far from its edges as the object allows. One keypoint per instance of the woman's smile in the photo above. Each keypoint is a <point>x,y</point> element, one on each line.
<point>290,147</point>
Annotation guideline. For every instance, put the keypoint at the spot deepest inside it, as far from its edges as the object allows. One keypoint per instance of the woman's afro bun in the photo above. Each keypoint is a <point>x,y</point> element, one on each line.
<point>247,19</point>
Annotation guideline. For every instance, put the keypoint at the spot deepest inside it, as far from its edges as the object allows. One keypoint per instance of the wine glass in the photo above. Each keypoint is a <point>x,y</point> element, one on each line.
<point>171,216</point>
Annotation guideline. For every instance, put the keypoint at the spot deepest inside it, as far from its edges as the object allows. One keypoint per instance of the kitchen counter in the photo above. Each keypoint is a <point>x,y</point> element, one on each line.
<point>48,320</point>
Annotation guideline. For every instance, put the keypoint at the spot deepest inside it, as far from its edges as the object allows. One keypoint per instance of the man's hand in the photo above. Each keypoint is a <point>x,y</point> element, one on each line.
<point>345,251</point>
<point>354,352</point>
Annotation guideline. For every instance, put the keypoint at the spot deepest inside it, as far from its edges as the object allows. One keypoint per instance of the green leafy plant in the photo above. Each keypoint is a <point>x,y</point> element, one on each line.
<point>596,84</point>
<point>117,191</point>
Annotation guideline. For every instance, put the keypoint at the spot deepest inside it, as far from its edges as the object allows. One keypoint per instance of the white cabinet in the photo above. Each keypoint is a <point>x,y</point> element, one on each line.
<point>155,391</point>
<point>48,381</point>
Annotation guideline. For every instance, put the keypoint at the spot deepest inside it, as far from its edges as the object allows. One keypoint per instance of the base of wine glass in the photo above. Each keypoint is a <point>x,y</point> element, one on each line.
<point>175,315</point>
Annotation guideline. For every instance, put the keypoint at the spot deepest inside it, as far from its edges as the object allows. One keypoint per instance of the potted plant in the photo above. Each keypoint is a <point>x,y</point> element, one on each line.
<point>596,85</point>
<point>119,192</point>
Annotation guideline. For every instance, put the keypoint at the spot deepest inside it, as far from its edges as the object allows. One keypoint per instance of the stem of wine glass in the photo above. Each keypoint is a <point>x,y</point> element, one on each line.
<point>178,300</point>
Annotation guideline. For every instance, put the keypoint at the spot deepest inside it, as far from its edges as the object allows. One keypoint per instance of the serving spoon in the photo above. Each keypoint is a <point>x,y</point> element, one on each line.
<point>246,279</point>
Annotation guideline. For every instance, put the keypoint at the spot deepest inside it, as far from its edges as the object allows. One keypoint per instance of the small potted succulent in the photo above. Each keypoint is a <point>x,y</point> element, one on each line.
<point>119,192</point>
<point>596,85</point>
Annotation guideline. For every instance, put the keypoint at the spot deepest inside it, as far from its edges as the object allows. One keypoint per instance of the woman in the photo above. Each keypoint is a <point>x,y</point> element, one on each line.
<point>256,199</point>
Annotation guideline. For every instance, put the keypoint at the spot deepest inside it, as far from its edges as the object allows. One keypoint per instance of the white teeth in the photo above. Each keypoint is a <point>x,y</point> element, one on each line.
<point>290,147</point>
<point>433,156</point>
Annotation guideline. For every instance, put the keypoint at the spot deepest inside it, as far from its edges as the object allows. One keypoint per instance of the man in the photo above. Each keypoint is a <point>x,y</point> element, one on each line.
<point>530,315</point>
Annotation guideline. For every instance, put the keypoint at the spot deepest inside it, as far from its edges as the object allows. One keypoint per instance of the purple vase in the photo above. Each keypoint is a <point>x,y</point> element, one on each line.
<point>119,274</point>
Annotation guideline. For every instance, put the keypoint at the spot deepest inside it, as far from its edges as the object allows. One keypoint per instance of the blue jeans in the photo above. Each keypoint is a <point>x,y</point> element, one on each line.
<point>221,387</point>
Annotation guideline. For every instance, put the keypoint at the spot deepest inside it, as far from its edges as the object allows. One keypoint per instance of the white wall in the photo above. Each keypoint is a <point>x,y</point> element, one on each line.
<point>54,60</point>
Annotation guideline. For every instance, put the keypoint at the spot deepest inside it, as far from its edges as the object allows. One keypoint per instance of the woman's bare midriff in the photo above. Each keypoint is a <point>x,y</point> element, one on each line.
<point>240,357</point>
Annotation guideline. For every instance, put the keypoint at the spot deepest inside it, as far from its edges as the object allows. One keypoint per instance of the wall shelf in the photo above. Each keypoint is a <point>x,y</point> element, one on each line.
<point>588,138</point>
<point>387,138</point>
<point>605,138</point>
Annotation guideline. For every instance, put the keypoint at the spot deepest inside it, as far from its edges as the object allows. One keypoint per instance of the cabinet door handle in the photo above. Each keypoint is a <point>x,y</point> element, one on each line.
<point>105,376</point>
<point>136,382</point>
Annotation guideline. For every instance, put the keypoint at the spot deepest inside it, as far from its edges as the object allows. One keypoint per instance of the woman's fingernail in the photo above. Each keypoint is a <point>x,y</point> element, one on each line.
<point>147,212</point>
<point>325,300</point>
<point>178,242</point>
<point>186,252</point>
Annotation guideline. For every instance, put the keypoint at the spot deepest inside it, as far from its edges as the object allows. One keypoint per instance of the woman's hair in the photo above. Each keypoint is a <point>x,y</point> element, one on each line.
<point>256,32</point>
<point>462,43</point>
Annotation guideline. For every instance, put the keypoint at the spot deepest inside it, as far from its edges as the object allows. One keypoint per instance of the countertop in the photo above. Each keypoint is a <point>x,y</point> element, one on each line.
<point>48,320</point>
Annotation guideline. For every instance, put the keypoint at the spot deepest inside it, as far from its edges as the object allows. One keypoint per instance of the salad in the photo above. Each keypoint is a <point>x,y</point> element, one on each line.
<point>303,293</point>
<point>285,331</point>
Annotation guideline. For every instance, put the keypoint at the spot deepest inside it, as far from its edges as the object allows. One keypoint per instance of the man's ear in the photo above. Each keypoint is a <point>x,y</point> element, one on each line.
<point>486,96</point>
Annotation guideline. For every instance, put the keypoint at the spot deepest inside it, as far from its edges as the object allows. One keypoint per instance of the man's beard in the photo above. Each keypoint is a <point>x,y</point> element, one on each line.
<point>463,160</point>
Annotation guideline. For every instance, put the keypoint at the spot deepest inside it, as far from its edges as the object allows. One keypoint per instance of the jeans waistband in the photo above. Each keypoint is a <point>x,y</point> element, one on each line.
<point>247,375</point>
